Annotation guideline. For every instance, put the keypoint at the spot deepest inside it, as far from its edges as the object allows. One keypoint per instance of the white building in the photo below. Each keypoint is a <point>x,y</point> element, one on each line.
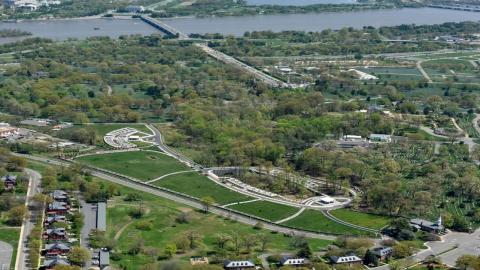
<point>289,261</point>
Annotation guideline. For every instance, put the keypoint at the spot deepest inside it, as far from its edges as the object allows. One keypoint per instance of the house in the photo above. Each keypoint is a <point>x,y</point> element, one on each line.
<point>347,260</point>
<point>383,253</point>
<point>9,181</point>
<point>59,196</point>
<point>54,218</point>
<point>238,265</point>
<point>55,249</point>
<point>52,262</point>
<point>55,234</point>
<point>57,208</point>
<point>198,260</point>
<point>380,138</point>
<point>292,261</point>
<point>427,226</point>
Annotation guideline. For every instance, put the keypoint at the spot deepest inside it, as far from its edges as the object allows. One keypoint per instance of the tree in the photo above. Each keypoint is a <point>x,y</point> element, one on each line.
<point>370,258</point>
<point>305,251</point>
<point>15,215</point>
<point>192,237</point>
<point>66,267</point>
<point>401,250</point>
<point>207,202</point>
<point>222,239</point>
<point>467,261</point>
<point>170,250</point>
<point>78,256</point>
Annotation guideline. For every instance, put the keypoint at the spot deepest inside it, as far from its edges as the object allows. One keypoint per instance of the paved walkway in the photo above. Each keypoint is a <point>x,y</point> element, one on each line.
<point>424,73</point>
<point>186,201</point>
<point>168,174</point>
<point>21,261</point>
<point>235,203</point>
<point>292,216</point>
<point>6,252</point>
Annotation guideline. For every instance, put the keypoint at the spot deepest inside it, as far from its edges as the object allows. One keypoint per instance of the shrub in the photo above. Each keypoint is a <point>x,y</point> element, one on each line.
<point>144,225</point>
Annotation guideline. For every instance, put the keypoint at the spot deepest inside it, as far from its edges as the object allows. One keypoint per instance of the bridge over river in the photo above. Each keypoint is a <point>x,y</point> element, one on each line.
<point>229,60</point>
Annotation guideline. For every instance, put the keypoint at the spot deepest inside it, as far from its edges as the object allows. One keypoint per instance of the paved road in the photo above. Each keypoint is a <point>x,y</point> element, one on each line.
<point>424,73</point>
<point>89,223</point>
<point>183,200</point>
<point>453,246</point>
<point>162,146</point>
<point>6,252</point>
<point>28,224</point>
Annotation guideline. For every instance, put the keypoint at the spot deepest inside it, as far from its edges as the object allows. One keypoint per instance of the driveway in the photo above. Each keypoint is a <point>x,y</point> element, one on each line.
<point>6,251</point>
<point>467,244</point>
<point>89,211</point>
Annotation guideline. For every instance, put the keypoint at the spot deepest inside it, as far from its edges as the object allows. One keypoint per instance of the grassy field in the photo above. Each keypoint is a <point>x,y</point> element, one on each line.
<point>10,236</point>
<point>140,164</point>
<point>362,219</point>
<point>165,229</point>
<point>101,130</point>
<point>267,210</point>
<point>315,221</point>
<point>199,186</point>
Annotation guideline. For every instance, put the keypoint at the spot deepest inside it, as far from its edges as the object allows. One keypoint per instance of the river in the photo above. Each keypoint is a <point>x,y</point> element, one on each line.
<point>298,2</point>
<point>79,28</point>
<point>321,21</point>
<point>82,28</point>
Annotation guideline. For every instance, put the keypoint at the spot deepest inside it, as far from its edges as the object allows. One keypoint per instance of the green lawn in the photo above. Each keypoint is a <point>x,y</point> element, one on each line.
<point>142,165</point>
<point>315,221</point>
<point>362,219</point>
<point>101,130</point>
<point>11,236</point>
<point>267,210</point>
<point>162,214</point>
<point>199,186</point>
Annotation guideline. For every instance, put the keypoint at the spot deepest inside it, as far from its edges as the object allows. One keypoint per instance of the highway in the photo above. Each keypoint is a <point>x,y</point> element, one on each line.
<point>229,60</point>
<point>190,202</point>
<point>21,262</point>
<point>267,79</point>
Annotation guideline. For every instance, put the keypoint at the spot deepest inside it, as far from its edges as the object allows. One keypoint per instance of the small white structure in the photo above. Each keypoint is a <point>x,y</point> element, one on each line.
<point>238,265</point>
<point>361,75</point>
<point>327,200</point>
<point>289,261</point>
<point>382,138</point>
<point>350,260</point>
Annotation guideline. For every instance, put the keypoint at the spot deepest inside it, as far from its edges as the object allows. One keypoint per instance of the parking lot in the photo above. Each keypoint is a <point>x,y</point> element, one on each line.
<point>6,252</point>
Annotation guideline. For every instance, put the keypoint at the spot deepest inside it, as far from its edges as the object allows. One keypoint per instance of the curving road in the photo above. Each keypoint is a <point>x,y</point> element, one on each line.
<point>190,202</point>
<point>28,224</point>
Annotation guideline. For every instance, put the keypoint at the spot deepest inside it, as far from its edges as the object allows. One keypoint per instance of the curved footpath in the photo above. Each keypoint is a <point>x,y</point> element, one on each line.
<point>190,202</point>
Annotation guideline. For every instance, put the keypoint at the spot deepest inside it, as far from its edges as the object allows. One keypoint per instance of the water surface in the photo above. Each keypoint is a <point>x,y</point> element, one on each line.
<point>297,2</point>
<point>79,28</point>
<point>321,21</point>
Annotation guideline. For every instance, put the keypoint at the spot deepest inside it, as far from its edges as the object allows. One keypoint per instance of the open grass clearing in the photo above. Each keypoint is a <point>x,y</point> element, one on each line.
<point>162,215</point>
<point>199,186</point>
<point>267,210</point>
<point>315,221</point>
<point>361,219</point>
<point>143,165</point>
